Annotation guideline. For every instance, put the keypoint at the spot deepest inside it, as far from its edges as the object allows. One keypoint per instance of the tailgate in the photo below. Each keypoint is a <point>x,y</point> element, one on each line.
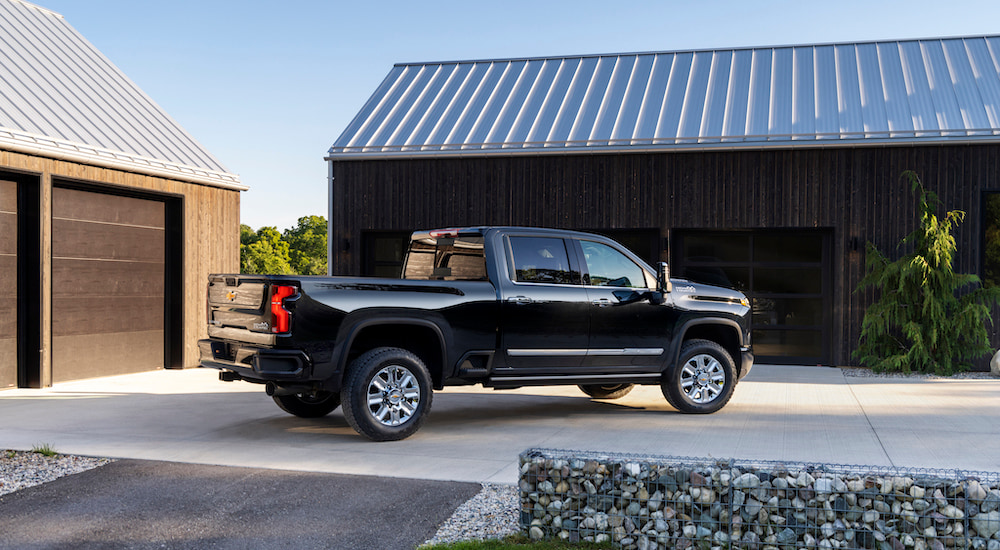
<point>239,301</point>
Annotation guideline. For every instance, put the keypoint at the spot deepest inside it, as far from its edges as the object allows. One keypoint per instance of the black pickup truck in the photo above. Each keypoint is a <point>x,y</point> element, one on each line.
<point>504,307</point>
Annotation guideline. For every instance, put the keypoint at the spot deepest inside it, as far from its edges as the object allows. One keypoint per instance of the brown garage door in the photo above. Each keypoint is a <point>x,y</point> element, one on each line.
<point>8,278</point>
<point>107,284</point>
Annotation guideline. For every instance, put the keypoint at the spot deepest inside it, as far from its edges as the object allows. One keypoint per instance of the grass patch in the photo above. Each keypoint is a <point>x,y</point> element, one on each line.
<point>44,449</point>
<point>10,454</point>
<point>517,542</point>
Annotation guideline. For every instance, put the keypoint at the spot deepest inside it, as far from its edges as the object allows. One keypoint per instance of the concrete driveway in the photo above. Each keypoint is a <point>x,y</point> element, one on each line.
<point>475,434</point>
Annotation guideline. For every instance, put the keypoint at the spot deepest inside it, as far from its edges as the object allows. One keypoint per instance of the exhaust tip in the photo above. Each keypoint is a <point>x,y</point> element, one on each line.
<point>270,388</point>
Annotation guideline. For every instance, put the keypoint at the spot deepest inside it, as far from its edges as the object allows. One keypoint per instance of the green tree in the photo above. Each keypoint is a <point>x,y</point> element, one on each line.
<point>307,242</point>
<point>928,318</point>
<point>265,252</point>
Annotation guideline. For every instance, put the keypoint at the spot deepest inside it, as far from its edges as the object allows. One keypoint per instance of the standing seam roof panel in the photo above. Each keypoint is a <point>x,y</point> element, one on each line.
<point>668,126</point>
<point>716,97</point>
<point>970,103</point>
<point>735,123</point>
<point>897,105</point>
<point>652,99</point>
<point>803,94</point>
<point>593,98</point>
<point>403,113</point>
<point>949,115</point>
<point>514,109</point>
<point>759,96</point>
<point>417,123</point>
<point>635,92</point>
<point>983,65</point>
<point>827,96</point>
<point>532,106</point>
<point>480,95</point>
<point>552,101</point>
<point>900,91</point>
<point>780,104</point>
<point>693,106</point>
<point>614,97</point>
<point>873,113</point>
<point>494,104</point>
<point>430,124</point>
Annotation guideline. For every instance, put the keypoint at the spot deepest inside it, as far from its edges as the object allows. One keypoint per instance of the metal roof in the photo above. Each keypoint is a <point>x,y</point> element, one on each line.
<point>59,97</point>
<point>897,92</point>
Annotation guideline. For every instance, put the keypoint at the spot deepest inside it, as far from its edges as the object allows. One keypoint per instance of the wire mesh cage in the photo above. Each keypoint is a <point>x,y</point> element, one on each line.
<point>654,502</point>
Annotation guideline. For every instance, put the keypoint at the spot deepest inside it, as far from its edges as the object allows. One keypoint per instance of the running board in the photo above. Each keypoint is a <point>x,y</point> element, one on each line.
<point>501,382</point>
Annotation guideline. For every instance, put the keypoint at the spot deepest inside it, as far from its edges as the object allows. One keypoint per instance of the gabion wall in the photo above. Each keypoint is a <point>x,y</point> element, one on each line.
<point>648,502</point>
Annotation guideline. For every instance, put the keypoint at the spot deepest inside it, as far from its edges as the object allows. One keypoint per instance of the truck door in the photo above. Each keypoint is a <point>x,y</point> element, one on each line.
<point>628,331</point>
<point>544,318</point>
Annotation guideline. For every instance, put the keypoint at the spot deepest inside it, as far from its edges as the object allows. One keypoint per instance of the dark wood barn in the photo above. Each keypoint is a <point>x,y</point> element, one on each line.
<point>765,169</point>
<point>104,203</point>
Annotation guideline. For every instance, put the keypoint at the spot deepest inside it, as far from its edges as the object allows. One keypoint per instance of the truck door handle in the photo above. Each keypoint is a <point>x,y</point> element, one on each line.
<point>601,302</point>
<point>519,300</point>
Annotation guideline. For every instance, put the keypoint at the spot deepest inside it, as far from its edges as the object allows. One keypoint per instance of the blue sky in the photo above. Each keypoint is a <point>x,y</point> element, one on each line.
<point>268,86</point>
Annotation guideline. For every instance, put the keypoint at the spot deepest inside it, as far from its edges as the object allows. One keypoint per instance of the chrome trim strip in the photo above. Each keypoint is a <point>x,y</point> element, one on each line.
<point>626,351</point>
<point>546,352</point>
<point>584,352</point>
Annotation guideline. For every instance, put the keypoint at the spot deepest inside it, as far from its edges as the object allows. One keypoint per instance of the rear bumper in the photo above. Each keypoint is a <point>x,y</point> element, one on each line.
<point>253,362</point>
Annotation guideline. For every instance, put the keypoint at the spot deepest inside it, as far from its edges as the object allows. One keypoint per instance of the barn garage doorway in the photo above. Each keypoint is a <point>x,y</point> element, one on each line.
<point>115,283</point>
<point>787,276</point>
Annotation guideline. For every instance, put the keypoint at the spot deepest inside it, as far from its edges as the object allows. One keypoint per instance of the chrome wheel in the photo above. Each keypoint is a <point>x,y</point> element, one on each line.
<point>393,395</point>
<point>702,378</point>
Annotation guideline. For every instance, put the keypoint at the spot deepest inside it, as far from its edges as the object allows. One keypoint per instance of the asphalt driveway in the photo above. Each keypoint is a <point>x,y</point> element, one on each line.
<point>146,504</point>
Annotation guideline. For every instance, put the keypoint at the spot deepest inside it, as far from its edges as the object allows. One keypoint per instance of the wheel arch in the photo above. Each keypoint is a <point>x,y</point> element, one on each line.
<point>423,338</point>
<point>725,332</point>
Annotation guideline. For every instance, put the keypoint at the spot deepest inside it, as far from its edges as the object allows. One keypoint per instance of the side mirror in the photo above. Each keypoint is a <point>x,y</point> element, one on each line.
<point>663,277</point>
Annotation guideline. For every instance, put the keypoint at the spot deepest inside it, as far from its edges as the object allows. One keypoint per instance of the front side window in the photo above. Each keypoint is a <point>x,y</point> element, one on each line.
<point>542,260</point>
<point>609,267</point>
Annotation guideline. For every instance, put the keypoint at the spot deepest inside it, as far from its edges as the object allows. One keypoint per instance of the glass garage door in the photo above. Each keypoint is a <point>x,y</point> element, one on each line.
<point>786,275</point>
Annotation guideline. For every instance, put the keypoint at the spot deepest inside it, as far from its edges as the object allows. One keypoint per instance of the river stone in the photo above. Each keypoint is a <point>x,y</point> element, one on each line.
<point>786,537</point>
<point>974,491</point>
<point>992,502</point>
<point>993,544</point>
<point>536,533</point>
<point>951,511</point>
<point>746,481</point>
<point>690,531</point>
<point>823,486</point>
<point>986,524</point>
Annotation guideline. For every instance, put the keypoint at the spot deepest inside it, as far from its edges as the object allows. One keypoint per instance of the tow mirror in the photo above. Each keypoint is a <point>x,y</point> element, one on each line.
<point>663,277</point>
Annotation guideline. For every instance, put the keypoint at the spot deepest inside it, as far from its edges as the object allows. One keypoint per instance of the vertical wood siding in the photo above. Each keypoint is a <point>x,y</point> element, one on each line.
<point>210,233</point>
<point>854,191</point>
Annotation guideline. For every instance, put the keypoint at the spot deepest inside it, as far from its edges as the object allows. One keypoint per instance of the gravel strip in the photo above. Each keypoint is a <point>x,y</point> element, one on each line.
<point>860,372</point>
<point>21,469</point>
<point>491,514</point>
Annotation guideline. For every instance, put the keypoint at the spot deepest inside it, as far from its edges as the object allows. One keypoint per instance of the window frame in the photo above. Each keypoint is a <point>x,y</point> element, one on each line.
<point>571,256</point>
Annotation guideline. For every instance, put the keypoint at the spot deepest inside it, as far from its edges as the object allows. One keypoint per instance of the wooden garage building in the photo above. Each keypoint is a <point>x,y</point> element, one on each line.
<point>766,169</point>
<point>105,203</point>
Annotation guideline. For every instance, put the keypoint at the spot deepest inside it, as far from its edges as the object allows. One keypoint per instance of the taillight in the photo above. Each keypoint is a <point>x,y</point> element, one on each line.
<point>280,316</point>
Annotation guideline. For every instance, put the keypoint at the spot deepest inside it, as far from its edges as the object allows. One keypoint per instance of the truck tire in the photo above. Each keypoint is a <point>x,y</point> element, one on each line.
<point>387,394</point>
<point>606,391</point>
<point>702,380</point>
<point>308,405</point>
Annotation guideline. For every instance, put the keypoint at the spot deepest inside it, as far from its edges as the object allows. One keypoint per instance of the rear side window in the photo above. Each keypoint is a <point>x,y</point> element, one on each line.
<point>542,260</point>
<point>459,258</point>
